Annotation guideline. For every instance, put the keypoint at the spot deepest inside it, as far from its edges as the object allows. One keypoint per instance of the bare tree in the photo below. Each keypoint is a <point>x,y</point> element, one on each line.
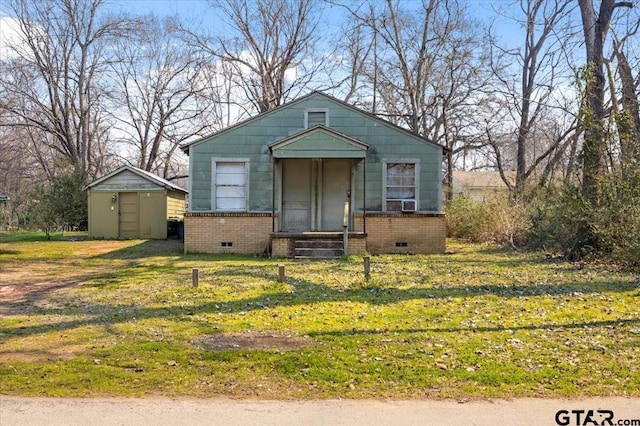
<point>18,172</point>
<point>400,65</point>
<point>54,72</point>
<point>532,81</point>
<point>420,65</point>
<point>158,102</point>
<point>270,45</point>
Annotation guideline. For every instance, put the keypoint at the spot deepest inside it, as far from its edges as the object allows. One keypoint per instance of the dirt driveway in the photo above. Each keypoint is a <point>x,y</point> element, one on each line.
<point>22,289</point>
<point>169,412</point>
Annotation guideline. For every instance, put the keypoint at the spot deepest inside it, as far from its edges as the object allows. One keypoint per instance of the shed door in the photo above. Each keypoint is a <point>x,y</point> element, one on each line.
<point>129,214</point>
<point>296,195</point>
<point>336,185</point>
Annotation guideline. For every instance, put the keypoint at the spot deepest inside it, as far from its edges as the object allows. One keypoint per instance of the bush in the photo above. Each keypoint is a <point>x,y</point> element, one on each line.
<point>495,219</point>
<point>616,221</point>
<point>63,203</point>
<point>564,222</point>
<point>559,222</point>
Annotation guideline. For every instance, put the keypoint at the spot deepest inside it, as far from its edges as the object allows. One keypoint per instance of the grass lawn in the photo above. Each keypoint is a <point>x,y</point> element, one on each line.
<point>121,318</point>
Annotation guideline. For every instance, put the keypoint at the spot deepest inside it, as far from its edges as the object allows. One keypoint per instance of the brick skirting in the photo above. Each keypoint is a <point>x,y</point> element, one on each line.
<point>252,233</point>
<point>403,232</point>
<point>227,232</point>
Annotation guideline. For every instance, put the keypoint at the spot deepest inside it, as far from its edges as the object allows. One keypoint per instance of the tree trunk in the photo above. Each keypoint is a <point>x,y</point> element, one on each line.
<point>629,121</point>
<point>594,148</point>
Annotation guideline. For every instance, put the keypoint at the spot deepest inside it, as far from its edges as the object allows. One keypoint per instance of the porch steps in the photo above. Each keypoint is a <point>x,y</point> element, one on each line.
<point>310,248</point>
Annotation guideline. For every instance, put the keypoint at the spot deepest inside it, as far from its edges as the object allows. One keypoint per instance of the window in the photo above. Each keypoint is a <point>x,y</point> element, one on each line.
<point>400,184</point>
<point>316,117</point>
<point>230,185</point>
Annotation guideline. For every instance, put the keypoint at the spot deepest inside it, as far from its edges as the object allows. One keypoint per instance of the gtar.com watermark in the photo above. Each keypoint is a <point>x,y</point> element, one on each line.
<point>592,418</point>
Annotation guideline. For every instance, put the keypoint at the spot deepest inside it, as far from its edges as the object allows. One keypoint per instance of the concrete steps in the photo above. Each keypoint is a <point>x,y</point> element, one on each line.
<point>319,248</point>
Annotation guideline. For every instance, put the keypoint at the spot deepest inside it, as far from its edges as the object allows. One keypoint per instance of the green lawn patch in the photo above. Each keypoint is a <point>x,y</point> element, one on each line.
<point>121,318</point>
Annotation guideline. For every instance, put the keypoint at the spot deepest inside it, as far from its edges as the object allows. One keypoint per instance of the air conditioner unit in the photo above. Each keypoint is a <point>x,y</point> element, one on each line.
<point>408,205</point>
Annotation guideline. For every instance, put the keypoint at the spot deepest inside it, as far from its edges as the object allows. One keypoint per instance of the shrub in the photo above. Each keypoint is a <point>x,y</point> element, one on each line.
<point>559,221</point>
<point>616,221</point>
<point>562,221</point>
<point>63,203</point>
<point>495,219</point>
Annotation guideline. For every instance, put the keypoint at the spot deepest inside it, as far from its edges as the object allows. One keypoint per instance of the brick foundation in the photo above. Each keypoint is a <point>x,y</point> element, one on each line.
<point>252,233</point>
<point>404,232</point>
<point>227,232</point>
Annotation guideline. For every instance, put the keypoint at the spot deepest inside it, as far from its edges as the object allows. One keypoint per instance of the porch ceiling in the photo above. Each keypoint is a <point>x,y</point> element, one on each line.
<point>319,142</point>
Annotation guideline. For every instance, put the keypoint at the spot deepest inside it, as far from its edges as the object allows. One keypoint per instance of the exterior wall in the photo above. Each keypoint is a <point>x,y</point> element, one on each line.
<point>176,205</point>
<point>153,214</point>
<point>251,139</point>
<point>211,232</point>
<point>357,245</point>
<point>103,215</point>
<point>282,247</point>
<point>104,218</point>
<point>388,233</point>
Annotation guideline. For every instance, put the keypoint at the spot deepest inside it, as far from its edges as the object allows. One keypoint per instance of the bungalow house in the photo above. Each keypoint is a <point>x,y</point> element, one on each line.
<point>315,177</point>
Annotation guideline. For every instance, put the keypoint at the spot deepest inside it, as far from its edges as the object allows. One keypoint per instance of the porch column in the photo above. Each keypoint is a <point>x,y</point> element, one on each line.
<point>273,194</point>
<point>364,196</point>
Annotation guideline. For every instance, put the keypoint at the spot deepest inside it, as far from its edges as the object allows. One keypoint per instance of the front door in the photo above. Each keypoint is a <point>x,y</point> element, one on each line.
<point>335,190</point>
<point>314,193</point>
<point>296,195</point>
<point>129,227</point>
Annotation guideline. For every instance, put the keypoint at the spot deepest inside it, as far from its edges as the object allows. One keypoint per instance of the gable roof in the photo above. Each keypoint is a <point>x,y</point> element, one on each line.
<point>303,145</point>
<point>142,173</point>
<point>185,147</point>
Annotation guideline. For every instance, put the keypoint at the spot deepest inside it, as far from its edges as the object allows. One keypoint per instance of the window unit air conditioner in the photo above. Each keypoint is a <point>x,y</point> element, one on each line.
<point>408,205</point>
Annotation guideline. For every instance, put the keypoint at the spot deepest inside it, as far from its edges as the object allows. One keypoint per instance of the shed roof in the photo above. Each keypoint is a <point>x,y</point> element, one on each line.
<point>142,173</point>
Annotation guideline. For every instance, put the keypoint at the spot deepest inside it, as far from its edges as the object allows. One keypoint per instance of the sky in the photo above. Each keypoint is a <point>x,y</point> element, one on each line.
<point>200,10</point>
<point>199,13</point>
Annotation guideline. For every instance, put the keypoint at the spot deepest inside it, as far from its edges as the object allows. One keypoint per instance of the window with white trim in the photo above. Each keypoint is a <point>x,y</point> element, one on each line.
<point>400,184</point>
<point>230,185</point>
<point>315,117</point>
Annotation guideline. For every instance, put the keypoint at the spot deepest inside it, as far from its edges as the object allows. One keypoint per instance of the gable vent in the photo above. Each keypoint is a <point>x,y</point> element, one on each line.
<point>315,118</point>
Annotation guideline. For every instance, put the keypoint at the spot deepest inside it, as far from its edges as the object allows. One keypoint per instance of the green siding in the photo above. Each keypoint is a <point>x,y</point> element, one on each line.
<point>252,138</point>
